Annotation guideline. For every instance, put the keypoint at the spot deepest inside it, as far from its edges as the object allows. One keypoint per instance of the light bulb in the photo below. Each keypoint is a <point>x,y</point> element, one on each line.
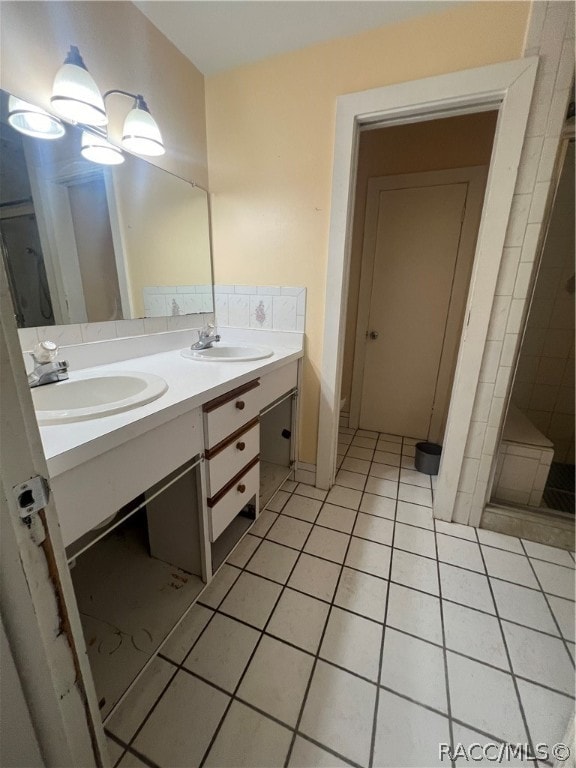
<point>75,95</point>
<point>141,134</point>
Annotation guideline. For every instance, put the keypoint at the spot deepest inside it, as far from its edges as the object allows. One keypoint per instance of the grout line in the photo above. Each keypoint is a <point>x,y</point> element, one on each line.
<point>509,657</point>
<point>554,619</point>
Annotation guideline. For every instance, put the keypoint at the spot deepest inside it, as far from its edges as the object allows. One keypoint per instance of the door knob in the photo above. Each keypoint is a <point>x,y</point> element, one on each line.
<point>373,335</point>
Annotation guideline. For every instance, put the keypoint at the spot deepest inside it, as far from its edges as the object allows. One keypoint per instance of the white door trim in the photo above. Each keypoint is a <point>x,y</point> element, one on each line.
<point>475,178</point>
<point>507,85</point>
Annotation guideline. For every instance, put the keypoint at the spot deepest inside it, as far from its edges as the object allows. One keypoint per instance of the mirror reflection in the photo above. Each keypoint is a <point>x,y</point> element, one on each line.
<point>84,242</point>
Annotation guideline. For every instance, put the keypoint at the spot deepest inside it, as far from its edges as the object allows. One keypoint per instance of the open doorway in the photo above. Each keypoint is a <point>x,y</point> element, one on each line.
<point>418,202</point>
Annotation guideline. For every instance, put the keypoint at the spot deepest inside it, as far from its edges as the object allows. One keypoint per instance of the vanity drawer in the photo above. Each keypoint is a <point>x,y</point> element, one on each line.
<point>223,510</point>
<point>225,461</point>
<point>226,414</point>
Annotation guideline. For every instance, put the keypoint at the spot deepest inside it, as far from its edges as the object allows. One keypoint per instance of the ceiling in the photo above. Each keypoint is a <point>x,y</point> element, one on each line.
<point>222,34</point>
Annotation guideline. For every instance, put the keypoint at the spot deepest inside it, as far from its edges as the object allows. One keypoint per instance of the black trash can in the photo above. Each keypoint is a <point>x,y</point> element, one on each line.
<point>427,458</point>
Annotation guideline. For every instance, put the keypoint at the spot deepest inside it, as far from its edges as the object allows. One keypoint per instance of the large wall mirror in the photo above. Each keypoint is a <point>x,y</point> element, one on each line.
<point>83,242</point>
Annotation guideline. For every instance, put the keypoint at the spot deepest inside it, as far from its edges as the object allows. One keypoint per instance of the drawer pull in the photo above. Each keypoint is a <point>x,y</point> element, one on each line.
<point>240,404</point>
<point>241,488</point>
<point>240,446</point>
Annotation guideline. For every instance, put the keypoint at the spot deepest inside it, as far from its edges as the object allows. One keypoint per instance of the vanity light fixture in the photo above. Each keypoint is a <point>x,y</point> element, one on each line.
<point>99,150</point>
<point>33,121</point>
<point>76,97</point>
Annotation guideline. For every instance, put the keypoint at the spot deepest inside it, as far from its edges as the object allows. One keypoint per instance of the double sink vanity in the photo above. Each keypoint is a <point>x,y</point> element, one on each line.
<point>159,465</point>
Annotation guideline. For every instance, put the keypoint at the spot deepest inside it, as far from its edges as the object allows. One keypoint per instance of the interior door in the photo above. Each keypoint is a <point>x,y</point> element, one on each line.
<point>417,238</point>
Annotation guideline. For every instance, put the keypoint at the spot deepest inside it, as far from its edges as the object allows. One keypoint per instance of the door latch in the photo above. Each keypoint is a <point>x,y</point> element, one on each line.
<point>31,496</point>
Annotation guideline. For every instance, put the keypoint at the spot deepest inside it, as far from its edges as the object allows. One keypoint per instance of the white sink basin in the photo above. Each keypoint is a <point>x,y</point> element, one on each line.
<point>228,353</point>
<point>90,396</point>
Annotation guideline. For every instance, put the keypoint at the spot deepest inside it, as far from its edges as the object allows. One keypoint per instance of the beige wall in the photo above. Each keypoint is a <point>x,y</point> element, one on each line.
<point>270,132</point>
<point>456,142</point>
<point>121,49</point>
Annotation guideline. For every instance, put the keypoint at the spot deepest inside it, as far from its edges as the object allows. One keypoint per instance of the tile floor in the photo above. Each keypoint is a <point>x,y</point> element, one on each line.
<point>350,628</point>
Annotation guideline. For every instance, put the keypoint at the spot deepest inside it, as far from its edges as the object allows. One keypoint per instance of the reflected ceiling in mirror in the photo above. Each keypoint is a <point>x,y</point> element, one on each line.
<point>83,242</point>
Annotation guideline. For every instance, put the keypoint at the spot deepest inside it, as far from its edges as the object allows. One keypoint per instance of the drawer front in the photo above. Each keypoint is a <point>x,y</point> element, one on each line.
<point>226,509</point>
<point>230,416</point>
<point>230,460</point>
<point>277,383</point>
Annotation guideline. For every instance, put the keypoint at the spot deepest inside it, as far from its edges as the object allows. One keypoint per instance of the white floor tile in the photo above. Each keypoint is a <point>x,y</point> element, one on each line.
<point>360,453</point>
<point>455,529</point>
<point>374,528</point>
<point>251,599</point>
<point>171,736</point>
<point>563,610</point>
<point>178,645</point>
<point>364,442</point>
<point>222,653</point>
<point>351,479</point>
<point>367,433</point>
<point>540,658</point>
<point>264,522</point>
<point>326,543</point>
<point>551,554</point>
<point>369,557</point>
<point>247,739</point>
<point>465,554</point>
<point>127,718</point>
<point>362,593</point>
<point>115,751</point>
<point>415,668</point>
<point>500,540</point>
<point>352,642</point>
<point>303,507</point>
<point>416,540</point>
<point>388,446</point>
<point>555,579</point>
<point>289,486</point>
<point>390,438</point>
<point>289,531</point>
<point>523,605</point>
<point>380,487</point>
<point>386,457</point>
<point>408,462</point>
<point>414,514</point>
<point>415,495</point>
<point>273,561</point>
<point>378,505</point>
<point>276,679</point>
<point>414,612</point>
<point>337,518</point>
<point>131,761</point>
<point>509,566</point>
<point>216,591</point>
<point>346,431</point>
<point>412,477</point>
<point>339,712</point>
<point>475,634</point>
<point>305,754</point>
<point>409,450</point>
<point>356,465</point>
<point>385,472</point>
<point>309,490</point>
<point>344,497</point>
<point>299,619</point>
<point>548,714</point>
<point>485,698</point>
<point>315,577</point>
<point>277,502</point>
<point>345,438</point>
<point>467,737</point>
<point>407,734</point>
<point>415,571</point>
<point>466,587</point>
<point>243,551</point>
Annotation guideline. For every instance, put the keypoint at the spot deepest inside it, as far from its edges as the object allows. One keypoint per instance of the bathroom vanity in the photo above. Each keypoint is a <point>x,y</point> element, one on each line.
<point>152,500</point>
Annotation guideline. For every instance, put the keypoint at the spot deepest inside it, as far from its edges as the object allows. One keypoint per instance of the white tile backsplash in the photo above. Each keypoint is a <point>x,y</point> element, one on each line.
<point>271,307</point>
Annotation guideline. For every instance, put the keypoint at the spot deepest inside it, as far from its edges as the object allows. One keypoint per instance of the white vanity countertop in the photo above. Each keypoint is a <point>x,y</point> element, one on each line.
<point>190,384</point>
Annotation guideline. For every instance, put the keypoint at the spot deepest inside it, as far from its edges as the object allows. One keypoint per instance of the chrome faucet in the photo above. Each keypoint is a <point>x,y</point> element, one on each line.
<point>47,370</point>
<point>206,337</point>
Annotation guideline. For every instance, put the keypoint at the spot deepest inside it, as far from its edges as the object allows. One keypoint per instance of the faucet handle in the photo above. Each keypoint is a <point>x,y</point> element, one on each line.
<point>45,351</point>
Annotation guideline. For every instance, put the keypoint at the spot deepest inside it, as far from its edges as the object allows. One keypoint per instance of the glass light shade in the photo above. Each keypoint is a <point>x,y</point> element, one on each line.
<point>76,97</point>
<point>98,149</point>
<point>33,121</point>
<point>141,134</point>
